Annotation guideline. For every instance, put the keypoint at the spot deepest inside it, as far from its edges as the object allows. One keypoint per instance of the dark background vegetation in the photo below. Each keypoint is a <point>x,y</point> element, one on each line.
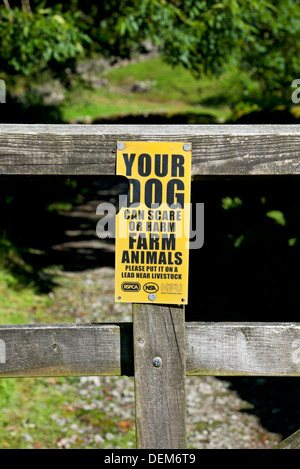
<point>248,268</point>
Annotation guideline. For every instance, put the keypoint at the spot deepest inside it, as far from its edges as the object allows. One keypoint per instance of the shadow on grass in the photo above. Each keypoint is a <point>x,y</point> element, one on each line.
<point>31,111</point>
<point>51,221</point>
<point>275,401</point>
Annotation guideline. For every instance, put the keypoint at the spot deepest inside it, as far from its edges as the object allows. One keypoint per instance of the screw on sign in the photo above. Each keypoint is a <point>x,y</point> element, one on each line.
<point>152,297</point>
<point>187,147</point>
<point>120,146</point>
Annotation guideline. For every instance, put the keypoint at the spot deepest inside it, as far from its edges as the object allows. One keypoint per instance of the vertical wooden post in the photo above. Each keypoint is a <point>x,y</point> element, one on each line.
<point>160,373</point>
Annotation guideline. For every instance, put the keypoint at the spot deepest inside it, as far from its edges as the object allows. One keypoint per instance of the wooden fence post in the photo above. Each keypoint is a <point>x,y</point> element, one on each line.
<point>160,372</point>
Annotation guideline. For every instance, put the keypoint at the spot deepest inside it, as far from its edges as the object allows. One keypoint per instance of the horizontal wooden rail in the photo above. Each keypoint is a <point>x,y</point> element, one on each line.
<point>216,349</point>
<point>91,149</point>
<point>236,349</point>
<point>66,350</point>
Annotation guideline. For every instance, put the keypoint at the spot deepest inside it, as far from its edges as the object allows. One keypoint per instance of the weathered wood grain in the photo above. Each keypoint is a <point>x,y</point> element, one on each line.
<point>216,349</point>
<point>159,331</point>
<point>66,350</point>
<point>292,442</point>
<point>253,349</point>
<point>91,149</point>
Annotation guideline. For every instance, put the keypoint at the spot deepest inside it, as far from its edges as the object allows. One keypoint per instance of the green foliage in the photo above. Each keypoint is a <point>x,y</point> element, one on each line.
<point>228,202</point>
<point>33,42</point>
<point>278,217</point>
<point>206,36</point>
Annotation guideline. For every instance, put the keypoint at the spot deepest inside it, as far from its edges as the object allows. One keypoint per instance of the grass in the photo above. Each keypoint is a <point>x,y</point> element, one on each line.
<point>47,413</point>
<point>63,412</point>
<point>26,418</point>
<point>22,401</point>
<point>172,90</point>
<point>20,306</point>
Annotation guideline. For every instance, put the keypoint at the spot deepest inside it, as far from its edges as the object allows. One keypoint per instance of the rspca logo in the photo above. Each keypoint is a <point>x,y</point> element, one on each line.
<point>151,287</point>
<point>131,286</point>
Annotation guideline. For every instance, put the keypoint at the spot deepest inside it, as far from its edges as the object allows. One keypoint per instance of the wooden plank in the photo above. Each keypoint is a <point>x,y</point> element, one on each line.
<point>91,149</point>
<point>216,349</point>
<point>66,350</point>
<point>159,331</point>
<point>236,349</point>
<point>292,442</point>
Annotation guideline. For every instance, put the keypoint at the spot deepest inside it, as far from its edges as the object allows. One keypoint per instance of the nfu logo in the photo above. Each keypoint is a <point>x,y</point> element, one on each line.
<point>2,351</point>
<point>2,91</point>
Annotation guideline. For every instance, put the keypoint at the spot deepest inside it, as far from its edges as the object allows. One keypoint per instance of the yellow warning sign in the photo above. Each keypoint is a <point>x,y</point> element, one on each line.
<point>153,223</point>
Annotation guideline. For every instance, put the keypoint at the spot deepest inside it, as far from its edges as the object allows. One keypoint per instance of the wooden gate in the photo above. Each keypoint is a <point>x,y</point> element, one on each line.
<point>184,348</point>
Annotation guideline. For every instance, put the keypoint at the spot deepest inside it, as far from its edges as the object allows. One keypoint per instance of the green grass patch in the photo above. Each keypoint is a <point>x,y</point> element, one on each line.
<point>48,413</point>
<point>63,412</point>
<point>39,414</point>
<point>20,305</point>
<point>172,90</point>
